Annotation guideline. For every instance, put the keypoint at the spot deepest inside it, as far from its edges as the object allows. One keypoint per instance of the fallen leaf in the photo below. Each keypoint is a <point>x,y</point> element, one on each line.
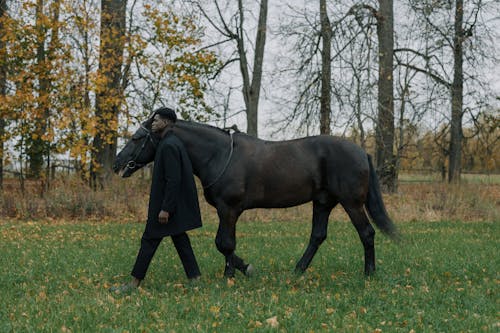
<point>273,321</point>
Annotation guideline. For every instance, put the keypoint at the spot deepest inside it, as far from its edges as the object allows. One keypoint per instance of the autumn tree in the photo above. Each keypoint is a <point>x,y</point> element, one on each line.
<point>3,81</point>
<point>34,58</point>
<point>77,121</point>
<point>109,92</point>
<point>170,66</point>
<point>57,93</point>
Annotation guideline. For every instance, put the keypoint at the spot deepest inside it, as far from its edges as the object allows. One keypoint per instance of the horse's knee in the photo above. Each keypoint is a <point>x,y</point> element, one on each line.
<point>224,245</point>
<point>368,236</point>
<point>317,240</point>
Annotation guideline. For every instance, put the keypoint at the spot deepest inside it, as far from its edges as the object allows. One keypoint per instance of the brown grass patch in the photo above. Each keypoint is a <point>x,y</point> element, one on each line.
<point>127,201</point>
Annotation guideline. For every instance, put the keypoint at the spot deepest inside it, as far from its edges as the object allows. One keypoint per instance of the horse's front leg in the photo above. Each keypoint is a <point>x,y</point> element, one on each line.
<point>226,242</point>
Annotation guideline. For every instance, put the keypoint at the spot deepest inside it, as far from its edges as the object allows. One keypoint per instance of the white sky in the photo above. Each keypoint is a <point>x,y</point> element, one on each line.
<point>279,11</point>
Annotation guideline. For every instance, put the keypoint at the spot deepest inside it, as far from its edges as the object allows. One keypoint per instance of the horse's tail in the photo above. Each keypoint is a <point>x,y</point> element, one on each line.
<point>375,205</point>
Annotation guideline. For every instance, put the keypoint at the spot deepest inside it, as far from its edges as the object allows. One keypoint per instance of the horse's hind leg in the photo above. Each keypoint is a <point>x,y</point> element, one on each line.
<point>226,242</point>
<point>318,234</point>
<point>366,234</point>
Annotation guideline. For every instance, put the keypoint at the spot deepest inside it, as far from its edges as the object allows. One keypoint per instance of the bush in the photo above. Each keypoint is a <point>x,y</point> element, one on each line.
<point>127,200</point>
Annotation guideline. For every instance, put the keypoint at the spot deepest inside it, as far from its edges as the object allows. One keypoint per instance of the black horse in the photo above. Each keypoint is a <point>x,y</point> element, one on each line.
<point>240,172</point>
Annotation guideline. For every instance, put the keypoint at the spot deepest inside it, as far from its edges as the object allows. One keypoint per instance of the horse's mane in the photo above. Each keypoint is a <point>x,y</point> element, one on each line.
<point>204,126</point>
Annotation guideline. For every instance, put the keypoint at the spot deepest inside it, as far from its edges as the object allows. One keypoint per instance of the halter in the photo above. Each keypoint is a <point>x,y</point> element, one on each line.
<point>132,164</point>
<point>225,166</point>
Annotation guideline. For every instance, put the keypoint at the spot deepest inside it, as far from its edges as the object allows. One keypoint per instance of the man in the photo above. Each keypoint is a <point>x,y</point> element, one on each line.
<point>173,203</point>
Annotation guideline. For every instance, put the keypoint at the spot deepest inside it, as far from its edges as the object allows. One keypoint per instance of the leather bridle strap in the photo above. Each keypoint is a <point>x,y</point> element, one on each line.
<point>132,163</point>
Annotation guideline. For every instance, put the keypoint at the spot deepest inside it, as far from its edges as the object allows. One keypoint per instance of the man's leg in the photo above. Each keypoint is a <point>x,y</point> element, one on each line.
<point>144,257</point>
<point>185,251</point>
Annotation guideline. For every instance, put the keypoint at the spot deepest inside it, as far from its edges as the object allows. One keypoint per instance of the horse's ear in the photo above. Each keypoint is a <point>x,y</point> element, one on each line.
<point>233,128</point>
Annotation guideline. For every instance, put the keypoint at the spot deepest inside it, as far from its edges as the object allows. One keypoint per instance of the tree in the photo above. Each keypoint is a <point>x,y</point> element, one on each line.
<point>3,82</point>
<point>47,34</point>
<point>457,91</point>
<point>459,48</point>
<point>34,62</point>
<point>385,119</point>
<point>235,31</point>
<point>326,69</point>
<point>169,65</point>
<point>385,160</point>
<point>109,92</point>
<point>78,125</point>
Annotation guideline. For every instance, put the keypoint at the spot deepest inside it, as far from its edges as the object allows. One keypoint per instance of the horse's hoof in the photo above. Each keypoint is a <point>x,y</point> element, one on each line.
<point>299,270</point>
<point>249,270</point>
<point>369,273</point>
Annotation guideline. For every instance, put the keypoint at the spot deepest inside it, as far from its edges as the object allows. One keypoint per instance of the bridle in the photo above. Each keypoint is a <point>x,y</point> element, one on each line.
<point>132,164</point>
<point>225,165</point>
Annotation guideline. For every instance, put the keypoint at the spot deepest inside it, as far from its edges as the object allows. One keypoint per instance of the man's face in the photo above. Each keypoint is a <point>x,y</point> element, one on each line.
<point>159,123</point>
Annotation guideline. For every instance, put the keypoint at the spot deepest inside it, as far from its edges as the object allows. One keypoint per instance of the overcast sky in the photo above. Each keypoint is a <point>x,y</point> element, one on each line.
<point>279,12</point>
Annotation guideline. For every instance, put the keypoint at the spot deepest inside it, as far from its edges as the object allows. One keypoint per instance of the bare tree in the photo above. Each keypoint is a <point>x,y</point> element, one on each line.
<point>386,166</point>
<point>326,69</point>
<point>234,30</point>
<point>457,91</point>
<point>456,44</point>
<point>385,119</point>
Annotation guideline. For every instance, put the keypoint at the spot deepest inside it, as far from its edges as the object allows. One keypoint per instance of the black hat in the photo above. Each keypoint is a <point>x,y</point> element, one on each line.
<point>167,113</point>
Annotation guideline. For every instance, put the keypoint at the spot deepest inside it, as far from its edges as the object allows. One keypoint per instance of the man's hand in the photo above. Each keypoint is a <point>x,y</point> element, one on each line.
<point>163,217</point>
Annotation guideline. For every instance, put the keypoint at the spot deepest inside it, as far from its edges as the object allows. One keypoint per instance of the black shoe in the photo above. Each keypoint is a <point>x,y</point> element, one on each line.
<point>126,288</point>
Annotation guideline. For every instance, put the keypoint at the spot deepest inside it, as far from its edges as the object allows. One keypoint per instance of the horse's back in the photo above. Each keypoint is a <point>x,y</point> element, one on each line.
<point>289,173</point>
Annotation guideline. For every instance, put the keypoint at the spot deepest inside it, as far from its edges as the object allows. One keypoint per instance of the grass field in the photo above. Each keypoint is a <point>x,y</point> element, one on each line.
<point>443,277</point>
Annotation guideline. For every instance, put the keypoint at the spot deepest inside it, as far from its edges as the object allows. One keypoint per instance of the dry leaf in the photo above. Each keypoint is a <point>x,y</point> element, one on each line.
<point>273,321</point>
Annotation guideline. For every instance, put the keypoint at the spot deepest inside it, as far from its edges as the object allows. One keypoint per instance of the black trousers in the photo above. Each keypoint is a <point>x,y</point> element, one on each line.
<point>148,249</point>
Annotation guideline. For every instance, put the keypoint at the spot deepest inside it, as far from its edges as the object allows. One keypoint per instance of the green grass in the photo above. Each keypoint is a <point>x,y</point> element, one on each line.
<point>443,278</point>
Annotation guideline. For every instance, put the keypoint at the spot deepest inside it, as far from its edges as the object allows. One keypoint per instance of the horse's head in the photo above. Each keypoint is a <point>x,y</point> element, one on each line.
<point>139,151</point>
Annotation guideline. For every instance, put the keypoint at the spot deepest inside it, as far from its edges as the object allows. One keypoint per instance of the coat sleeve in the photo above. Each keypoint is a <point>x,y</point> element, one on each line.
<point>171,160</point>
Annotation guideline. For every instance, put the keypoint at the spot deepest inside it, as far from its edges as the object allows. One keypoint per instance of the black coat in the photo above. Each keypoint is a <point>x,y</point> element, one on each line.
<point>173,190</point>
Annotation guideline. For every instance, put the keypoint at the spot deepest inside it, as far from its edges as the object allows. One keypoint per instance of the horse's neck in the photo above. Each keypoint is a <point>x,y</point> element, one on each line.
<point>206,147</point>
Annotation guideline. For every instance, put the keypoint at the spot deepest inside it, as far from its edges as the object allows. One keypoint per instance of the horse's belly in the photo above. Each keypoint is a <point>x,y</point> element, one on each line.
<point>279,191</point>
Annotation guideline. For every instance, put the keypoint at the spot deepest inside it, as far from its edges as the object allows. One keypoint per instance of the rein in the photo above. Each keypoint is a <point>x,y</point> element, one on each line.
<point>132,163</point>
<point>225,166</point>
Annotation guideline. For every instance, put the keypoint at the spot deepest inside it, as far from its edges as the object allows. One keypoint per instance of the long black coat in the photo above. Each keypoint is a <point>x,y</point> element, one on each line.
<point>173,190</point>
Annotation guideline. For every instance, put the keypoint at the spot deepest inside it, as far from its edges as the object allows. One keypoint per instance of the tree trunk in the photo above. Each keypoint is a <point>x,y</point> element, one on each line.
<point>385,122</point>
<point>3,83</point>
<point>456,134</point>
<point>251,91</point>
<point>36,146</point>
<point>326,69</point>
<point>109,94</point>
